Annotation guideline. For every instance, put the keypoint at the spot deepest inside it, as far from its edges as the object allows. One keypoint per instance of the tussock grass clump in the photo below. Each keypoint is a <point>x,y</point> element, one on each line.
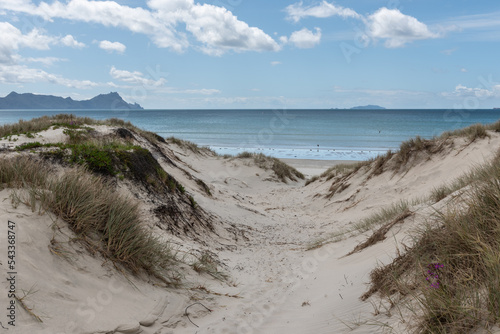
<point>466,243</point>
<point>409,148</point>
<point>103,220</point>
<point>473,132</point>
<point>342,169</point>
<point>193,147</point>
<point>494,126</point>
<point>283,171</point>
<point>14,173</point>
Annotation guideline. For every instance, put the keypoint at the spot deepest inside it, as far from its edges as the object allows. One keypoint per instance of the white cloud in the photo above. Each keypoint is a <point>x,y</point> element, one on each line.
<point>13,39</point>
<point>203,91</point>
<point>481,93</point>
<point>47,61</point>
<point>297,11</point>
<point>305,38</point>
<point>70,41</point>
<point>112,46</point>
<point>135,78</point>
<point>216,28</point>
<point>464,70</point>
<point>14,74</point>
<point>274,63</point>
<point>396,28</point>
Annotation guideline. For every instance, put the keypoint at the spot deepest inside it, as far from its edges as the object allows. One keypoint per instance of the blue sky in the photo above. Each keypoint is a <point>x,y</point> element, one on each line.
<point>176,54</point>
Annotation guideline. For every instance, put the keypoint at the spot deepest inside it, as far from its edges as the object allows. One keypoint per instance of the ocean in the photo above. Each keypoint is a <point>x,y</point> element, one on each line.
<point>330,134</point>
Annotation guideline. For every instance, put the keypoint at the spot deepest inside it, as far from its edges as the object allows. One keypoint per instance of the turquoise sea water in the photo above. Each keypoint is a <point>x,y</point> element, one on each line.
<point>302,134</point>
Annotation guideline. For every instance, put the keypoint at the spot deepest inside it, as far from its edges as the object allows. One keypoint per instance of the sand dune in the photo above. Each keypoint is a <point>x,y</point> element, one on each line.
<point>259,236</point>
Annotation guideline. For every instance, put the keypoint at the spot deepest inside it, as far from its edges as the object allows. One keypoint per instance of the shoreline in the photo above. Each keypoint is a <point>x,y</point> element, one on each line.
<point>313,167</point>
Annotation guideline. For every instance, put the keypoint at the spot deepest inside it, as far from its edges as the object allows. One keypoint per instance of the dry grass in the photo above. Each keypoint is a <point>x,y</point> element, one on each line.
<point>466,242</point>
<point>477,174</point>
<point>207,263</point>
<point>283,171</point>
<point>380,233</point>
<point>103,220</point>
<point>193,147</point>
<point>473,132</point>
<point>381,218</point>
<point>69,121</point>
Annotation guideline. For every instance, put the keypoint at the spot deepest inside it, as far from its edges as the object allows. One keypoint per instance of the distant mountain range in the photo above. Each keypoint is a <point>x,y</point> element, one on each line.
<point>33,101</point>
<point>370,106</point>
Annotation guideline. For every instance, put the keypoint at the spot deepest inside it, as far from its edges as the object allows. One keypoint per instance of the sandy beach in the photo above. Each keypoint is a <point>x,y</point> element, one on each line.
<point>274,253</point>
<point>311,167</point>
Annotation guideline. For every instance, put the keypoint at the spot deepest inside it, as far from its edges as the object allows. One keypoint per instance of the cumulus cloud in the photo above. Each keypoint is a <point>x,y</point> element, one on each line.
<point>13,39</point>
<point>396,28</point>
<point>297,11</point>
<point>70,41</point>
<point>22,74</point>
<point>112,46</point>
<point>216,28</point>
<point>12,72</point>
<point>135,78</point>
<point>305,38</point>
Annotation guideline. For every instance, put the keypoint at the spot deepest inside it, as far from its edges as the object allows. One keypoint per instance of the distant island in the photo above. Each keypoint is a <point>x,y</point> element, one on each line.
<point>370,106</point>
<point>33,101</point>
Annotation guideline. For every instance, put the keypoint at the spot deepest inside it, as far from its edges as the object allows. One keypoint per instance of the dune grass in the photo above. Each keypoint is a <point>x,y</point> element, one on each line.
<point>103,220</point>
<point>283,171</point>
<point>378,219</point>
<point>465,242</point>
<point>479,173</point>
<point>69,121</point>
<point>473,132</point>
<point>189,145</point>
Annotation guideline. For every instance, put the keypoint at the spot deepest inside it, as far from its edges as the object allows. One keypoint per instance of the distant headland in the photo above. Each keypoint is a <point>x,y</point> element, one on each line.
<point>34,101</point>
<point>370,106</point>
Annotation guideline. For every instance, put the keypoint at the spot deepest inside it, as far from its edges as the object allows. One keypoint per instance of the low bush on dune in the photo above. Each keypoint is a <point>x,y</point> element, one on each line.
<point>103,220</point>
<point>115,156</point>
